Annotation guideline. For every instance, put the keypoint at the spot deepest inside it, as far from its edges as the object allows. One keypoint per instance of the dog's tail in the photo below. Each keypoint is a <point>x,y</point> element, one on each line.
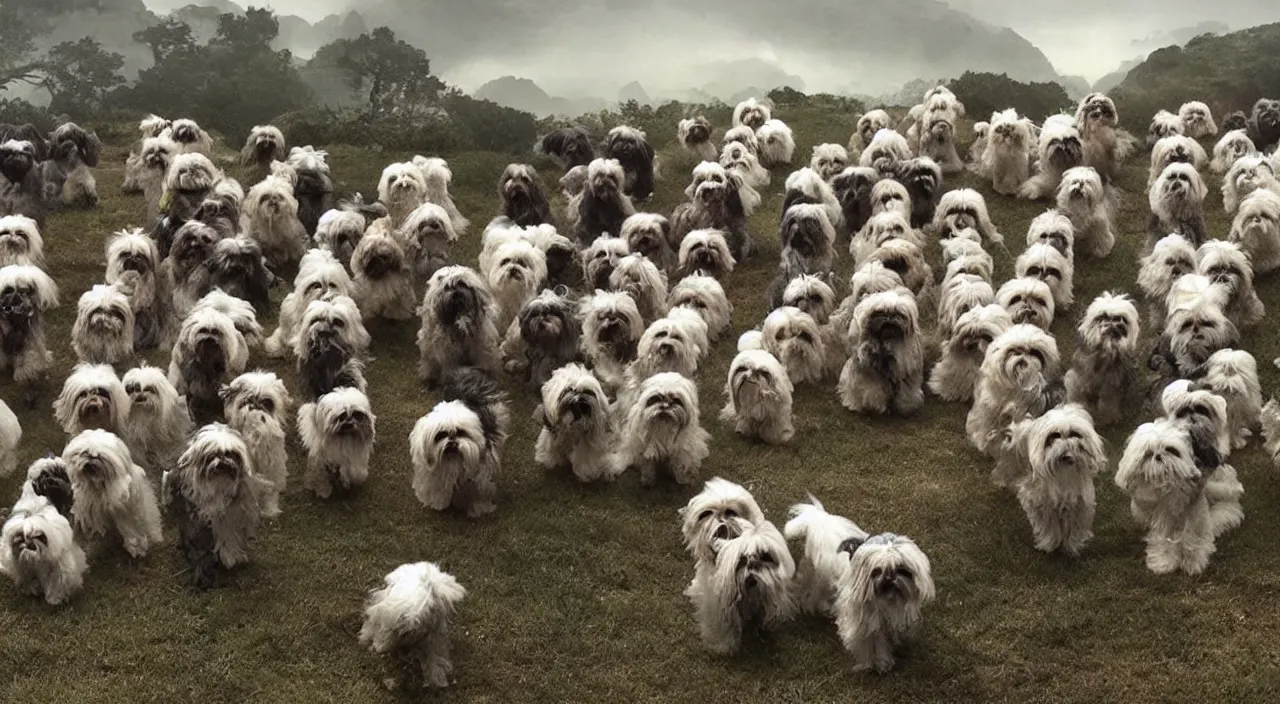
<point>802,517</point>
<point>479,391</point>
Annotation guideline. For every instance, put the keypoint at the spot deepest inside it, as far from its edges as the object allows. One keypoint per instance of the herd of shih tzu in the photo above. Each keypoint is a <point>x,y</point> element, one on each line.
<point>613,366</point>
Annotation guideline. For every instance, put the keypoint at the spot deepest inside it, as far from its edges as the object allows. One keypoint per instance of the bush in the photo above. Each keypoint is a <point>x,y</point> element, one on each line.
<point>17,111</point>
<point>985,93</point>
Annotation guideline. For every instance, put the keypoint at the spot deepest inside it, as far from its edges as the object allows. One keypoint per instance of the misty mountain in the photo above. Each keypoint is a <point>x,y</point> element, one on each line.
<point>1152,42</point>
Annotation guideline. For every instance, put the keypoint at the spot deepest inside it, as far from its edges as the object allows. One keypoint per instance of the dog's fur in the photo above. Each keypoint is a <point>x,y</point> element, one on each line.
<point>1059,149</point>
<point>956,375</point>
<point>458,328</point>
<point>543,337</point>
<point>602,206</point>
<point>758,398</point>
<point>338,432</point>
<point>1044,262</point>
<point>706,252</point>
<point>568,147</point>
<point>1227,264</point>
<point>694,134</point>
<point>631,149</point>
<point>523,199</point>
<point>746,589</point>
<point>577,427</point>
<point>716,203</point>
<point>879,597</point>
<point>382,278</point>
<point>611,331</point>
<point>457,447</point>
<point>210,352</point>
<point>26,294</point>
<point>409,619</point>
<point>1020,377</point>
<point>159,421</point>
<point>1247,175</point>
<point>1006,159</point>
<point>92,397</point>
<point>885,372</point>
<point>38,551</point>
<point>112,495</point>
<point>1256,228</point>
<point>1083,198</point>
<point>661,429</point>
<point>1234,145</point>
<point>777,145</point>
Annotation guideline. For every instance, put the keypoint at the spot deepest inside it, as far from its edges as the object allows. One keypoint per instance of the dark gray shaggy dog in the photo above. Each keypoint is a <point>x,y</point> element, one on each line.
<point>632,149</point>
<point>238,268</point>
<point>313,191</point>
<point>1264,125</point>
<point>716,206</point>
<point>550,332</point>
<point>923,179</point>
<point>21,182</point>
<point>568,147</point>
<point>523,200</point>
<point>853,189</point>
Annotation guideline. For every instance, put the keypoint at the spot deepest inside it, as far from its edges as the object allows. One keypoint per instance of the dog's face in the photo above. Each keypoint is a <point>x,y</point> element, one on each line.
<point>266,142</point>
<point>751,113</point>
<point>1225,264</point>
<point>906,259</point>
<point>36,534</point>
<point>573,396</point>
<point>158,153</point>
<point>548,318</point>
<point>1028,301</point>
<point>1064,439</point>
<point>667,400</point>
<point>668,344</point>
<point>1097,110</point>
<point>806,230</point>
<point>92,397</point>
<point>457,293</point>
<point>611,317</point>
<point>888,571</point>
<point>216,463</point>
<point>706,251</point>
<point>518,265</point>
<point>887,146</point>
<point>977,264</point>
<point>793,337</point>
<point>1233,146</point>
<point>1163,124</point>
<point>1170,259</point>
<point>104,310</point>
<point>1009,131</point>
<point>1177,150</point>
<point>20,240</point>
<point>451,432</point>
<point>402,183</point>
<point>811,294</point>
<point>320,274</point>
<point>236,259</point>
<point>705,296</point>
<point>1043,262</point>
<point>271,198</point>
<point>193,245</point>
<point>185,132</point>
<point>345,414</point>
<point>757,379</point>
<point>696,130</point>
<point>519,182</point>
<point>1266,114</point>
<point>1258,219</point>
<point>340,231</point>
<point>599,259</point>
<point>1052,228</point>
<point>191,173</point>
<point>626,144</point>
<point>977,328</point>
<point>1250,173</point>
<point>149,391</point>
<point>1196,117</point>
<point>332,321</point>
<point>889,225</point>
<point>99,462</point>
<point>890,196</point>
<point>1197,331</point>
<point>1081,188</point>
<point>378,256</point>
<point>209,338</point>
<point>855,184</point>
<point>871,123</point>
<point>25,291</point>
<point>256,393</point>
<point>16,159</point>
<point>710,185</point>
<point>756,566</point>
<point>1200,412</point>
<point>605,179</point>
<point>872,277</point>
<point>638,277</point>
<point>1024,357</point>
<point>829,160</point>
<point>1060,146</point>
<point>922,176</point>
<point>429,227</point>
<point>960,209</point>
<point>1178,183</point>
<point>1156,454</point>
<point>1110,322</point>
<point>722,510</point>
<point>738,156</point>
<point>890,317</point>
<point>648,234</point>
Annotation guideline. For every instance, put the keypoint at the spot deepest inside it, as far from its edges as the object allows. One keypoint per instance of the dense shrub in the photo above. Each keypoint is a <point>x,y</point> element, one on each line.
<point>985,93</point>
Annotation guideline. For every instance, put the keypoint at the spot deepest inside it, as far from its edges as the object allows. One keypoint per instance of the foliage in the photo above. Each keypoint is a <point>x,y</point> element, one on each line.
<point>165,38</point>
<point>985,93</point>
<point>16,111</point>
<point>21,23</point>
<point>784,96</point>
<point>79,75</point>
<point>391,75</point>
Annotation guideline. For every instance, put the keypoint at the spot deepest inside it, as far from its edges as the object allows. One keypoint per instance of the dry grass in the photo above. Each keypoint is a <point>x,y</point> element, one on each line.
<point>575,592</point>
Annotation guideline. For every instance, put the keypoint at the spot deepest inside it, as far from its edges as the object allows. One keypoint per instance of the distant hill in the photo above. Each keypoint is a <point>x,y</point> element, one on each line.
<point>1229,72</point>
<point>1148,44</point>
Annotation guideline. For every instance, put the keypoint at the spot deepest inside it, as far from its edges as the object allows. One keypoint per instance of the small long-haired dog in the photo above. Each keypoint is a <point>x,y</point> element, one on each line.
<point>159,421</point>
<point>26,294</point>
<point>956,375</point>
<point>312,185</point>
<point>152,166</point>
<point>885,372</point>
<point>959,294</point>
<point>92,397</point>
<point>853,188</point>
<point>103,332</point>
<point>1006,159</point>
<point>67,178</point>
<point>1058,455</point>
<point>457,448</point>
<point>1247,175</point>
<point>741,160</point>
<point>868,126</point>
<point>10,437</point>
<point>705,296</point>
<point>746,589</point>
<point>823,563</point>
<point>437,176</point>
<point>1104,375</point>
<point>409,620</point>
<point>777,145</point>
<point>806,186</point>
<point>319,274</point>
<point>47,477</point>
<point>923,179</point>
<point>1177,205</point>
<point>758,398</point>
<point>20,241</point>
<point>631,149</point>
<point>133,266</point>
<point>694,134</point>
<point>978,149</point>
<point>603,205</point>
<point>1233,375</point>
<point>568,147</point>
<point>112,494</point>
<point>829,160</point>
<point>270,218</point>
<point>257,405</point>
<point>238,268</point>
<point>1105,145</point>
<point>523,199</point>
<point>1163,124</point>
<point>1083,199</point>
<point>264,145</point>
<point>1174,150</point>
<point>1264,124</point>
<point>1233,146</point>
<point>21,181</point>
<point>190,179</point>
<point>641,279</point>
<point>543,337</point>
<point>402,187</point>
<point>331,347</point>
<point>652,235</point>
<point>808,240</point>
<point>752,113</point>
<point>810,293</point>
<point>187,267</point>
<point>611,331</point>
<point>1044,262</point>
<point>1256,228</point>
<point>1235,120</point>
<point>938,141</point>
<point>1053,228</point>
<point>38,551</point>
<point>1161,472</point>
<point>341,229</point>
<point>458,328</point>
<point>906,258</point>
<point>215,493</point>
<point>517,272</point>
<point>706,252</point>
<point>599,259</point>
<point>1059,149</point>
<point>886,149</point>
<point>1227,264</point>
<point>338,431</point>
<point>715,203</point>
<point>149,128</point>
<point>964,208</point>
<point>879,597</point>
<point>382,278</point>
<point>190,136</point>
<point>888,195</point>
<point>427,236</point>
<point>1171,258</point>
<point>669,344</point>
<point>796,339</point>
<point>1197,120</point>
<point>210,352</point>
<point>577,427</point>
<point>1195,328</point>
<point>1020,377</point>
<point>662,431</point>
<point>721,511</point>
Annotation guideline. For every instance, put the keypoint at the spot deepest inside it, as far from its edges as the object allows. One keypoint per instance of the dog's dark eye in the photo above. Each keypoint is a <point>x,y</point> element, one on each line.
<point>905,573</point>
<point>1015,300</point>
<point>1053,437</point>
<point>805,337</point>
<point>338,323</point>
<point>1074,435</point>
<point>132,388</point>
<point>654,401</point>
<point>660,334</point>
<point>767,558</point>
<point>1052,273</point>
<point>1035,302</point>
<point>316,286</point>
<point>1034,271</point>
<point>1208,325</point>
<point>268,405</point>
<point>358,416</point>
<point>706,514</point>
<point>1174,453</point>
<point>1200,410</point>
<point>875,573</point>
<point>730,513</point>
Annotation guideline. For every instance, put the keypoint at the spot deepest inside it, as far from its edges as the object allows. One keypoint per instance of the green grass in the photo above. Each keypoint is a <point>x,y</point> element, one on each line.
<point>575,591</point>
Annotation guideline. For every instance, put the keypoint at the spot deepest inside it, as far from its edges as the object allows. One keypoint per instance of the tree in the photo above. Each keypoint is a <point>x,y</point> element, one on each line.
<point>78,76</point>
<point>252,32</point>
<point>165,38</point>
<point>393,76</point>
<point>21,23</point>
<point>985,93</point>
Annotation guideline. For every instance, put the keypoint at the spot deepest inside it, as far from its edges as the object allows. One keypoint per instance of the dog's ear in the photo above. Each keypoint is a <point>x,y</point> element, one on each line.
<point>850,546</point>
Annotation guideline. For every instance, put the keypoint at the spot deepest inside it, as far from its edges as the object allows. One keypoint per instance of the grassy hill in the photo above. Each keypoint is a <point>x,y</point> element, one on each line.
<point>575,591</point>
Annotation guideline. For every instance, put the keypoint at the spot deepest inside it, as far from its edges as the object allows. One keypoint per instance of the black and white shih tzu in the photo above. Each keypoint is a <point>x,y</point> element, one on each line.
<point>188,134</point>
<point>694,134</point>
<point>459,328</point>
<point>134,268</point>
<point>1256,228</point>
<point>456,449</point>
<point>319,274</point>
<point>885,372</point>
<point>1177,205</point>
<point>1203,415</point>
<point>1006,160</point>
<point>1053,228</point>
<point>923,179</point>
<point>676,343</point>
<point>852,188</point>
<point>92,397</point>
<point>112,495</point>
<point>382,278</point>
<point>879,597</point>
<point>256,405</point>
<point>1059,150</point>
<point>603,204</point>
<point>577,427</point>
<point>1233,145</point>
<point>631,149</point>
<point>190,179</point>
<point>270,218</point>
<point>758,398</point>
<point>187,266</point>
<point>829,160</point>
<point>1021,376</point>
<point>810,293</point>
<point>651,235</point>
<point>746,589</point>
<point>752,113</point>
<point>524,201</point>
<point>641,279</point>
<point>210,352</point>
<point>715,203</point>
<point>886,149</point>
<point>1175,149</point>
<point>1045,262</point>
<point>544,336</point>
<point>868,125</point>
<point>20,241</point>
<point>568,147</point>
<point>958,294</point>
<point>706,252</point>
<point>823,562</point>
<point>338,431</point>
<point>1056,458</point>
<point>1227,265</point>
<point>427,237</point>
<point>38,550</point>
<point>159,422</point>
<point>963,208</point>
<point>216,495</point>
<point>1249,174</point>
<point>1195,327</point>
<point>341,229</point>
<point>806,186</point>
<point>238,268</point>
<point>1170,259</point>
<point>103,332</point>
<point>312,185</point>
<point>956,375</point>
<point>331,347</point>
<point>661,430</point>
<point>221,209</point>
<point>264,145</point>
<point>777,144</point>
<point>73,151</point>
<point>611,332</point>
<point>1264,124</point>
<point>21,185</point>
<point>1083,199</point>
<point>1104,377</point>
<point>26,294</point>
<point>409,619</point>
